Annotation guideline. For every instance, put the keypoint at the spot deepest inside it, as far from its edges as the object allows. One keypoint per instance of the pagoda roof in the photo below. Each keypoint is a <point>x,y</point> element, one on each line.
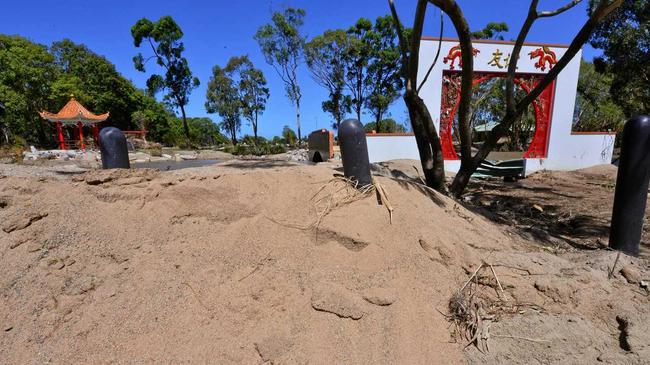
<point>73,111</point>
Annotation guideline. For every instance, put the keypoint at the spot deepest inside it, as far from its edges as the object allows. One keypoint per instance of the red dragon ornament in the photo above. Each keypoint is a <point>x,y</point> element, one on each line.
<point>545,56</point>
<point>455,53</point>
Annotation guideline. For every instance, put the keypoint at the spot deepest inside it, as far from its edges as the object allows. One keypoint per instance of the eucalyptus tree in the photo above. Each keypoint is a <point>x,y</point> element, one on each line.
<point>384,81</point>
<point>356,60</point>
<point>164,39</point>
<point>250,85</point>
<point>324,55</point>
<point>426,136</point>
<point>223,98</point>
<point>238,89</point>
<point>282,44</point>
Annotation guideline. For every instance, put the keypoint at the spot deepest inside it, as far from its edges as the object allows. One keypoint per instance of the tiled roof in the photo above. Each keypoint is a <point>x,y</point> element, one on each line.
<point>73,111</point>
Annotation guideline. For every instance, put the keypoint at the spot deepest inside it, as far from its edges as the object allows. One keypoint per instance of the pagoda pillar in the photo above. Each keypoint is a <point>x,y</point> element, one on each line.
<point>81,135</point>
<point>96,134</point>
<point>59,133</point>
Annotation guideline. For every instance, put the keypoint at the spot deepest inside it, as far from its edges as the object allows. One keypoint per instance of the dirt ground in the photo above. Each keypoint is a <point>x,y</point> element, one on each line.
<point>278,262</point>
<point>560,209</point>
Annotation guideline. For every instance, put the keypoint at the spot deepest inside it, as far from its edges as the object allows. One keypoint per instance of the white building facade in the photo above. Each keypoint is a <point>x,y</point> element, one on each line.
<point>554,145</point>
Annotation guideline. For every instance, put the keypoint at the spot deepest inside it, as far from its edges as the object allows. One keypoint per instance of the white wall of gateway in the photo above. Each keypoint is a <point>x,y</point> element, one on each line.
<point>566,150</point>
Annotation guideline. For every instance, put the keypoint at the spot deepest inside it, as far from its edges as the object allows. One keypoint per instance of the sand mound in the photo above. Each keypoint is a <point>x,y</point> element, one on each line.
<point>223,265</point>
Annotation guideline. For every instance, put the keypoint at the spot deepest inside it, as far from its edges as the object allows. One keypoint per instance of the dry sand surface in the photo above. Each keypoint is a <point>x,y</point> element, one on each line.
<point>253,262</point>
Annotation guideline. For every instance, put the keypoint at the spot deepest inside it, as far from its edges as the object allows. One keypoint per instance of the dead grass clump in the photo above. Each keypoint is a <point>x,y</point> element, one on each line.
<point>341,191</point>
<point>480,302</point>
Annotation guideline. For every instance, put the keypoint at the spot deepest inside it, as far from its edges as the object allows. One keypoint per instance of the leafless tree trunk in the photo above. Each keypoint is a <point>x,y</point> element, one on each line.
<point>426,136</point>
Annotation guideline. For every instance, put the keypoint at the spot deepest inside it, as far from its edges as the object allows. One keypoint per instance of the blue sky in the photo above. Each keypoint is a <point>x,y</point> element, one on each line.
<point>215,30</point>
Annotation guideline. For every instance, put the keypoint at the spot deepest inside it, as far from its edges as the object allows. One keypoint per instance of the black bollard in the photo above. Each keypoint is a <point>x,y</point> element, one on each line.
<point>112,144</point>
<point>354,152</point>
<point>631,193</point>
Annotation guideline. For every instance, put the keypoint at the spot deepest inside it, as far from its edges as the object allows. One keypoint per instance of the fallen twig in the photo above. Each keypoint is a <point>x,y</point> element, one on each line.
<point>383,196</point>
<point>498,282</point>
<point>471,277</point>
<point>611,272</point>
<point>522,338</point>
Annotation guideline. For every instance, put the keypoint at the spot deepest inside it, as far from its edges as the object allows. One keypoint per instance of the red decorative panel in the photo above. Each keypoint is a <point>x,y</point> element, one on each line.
<point>451,95</point>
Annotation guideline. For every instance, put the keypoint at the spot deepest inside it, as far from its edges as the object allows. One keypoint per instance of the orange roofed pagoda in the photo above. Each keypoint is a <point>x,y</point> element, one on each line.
<point>74,114</point>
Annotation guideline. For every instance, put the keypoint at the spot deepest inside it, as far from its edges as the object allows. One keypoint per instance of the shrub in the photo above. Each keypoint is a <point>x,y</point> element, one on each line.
<point>242,149</point>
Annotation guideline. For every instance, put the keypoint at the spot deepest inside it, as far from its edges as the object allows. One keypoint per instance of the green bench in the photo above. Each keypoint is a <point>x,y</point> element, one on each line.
<point>510,170</point>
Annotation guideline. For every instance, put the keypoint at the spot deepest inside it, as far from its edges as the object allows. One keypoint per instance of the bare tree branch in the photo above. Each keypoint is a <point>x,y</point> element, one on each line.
<point>544,14</point>
<point>399,29</point>
<point>416,39</point>
<point>514,56</point>
<point>579,40</point>
<point>435,60</point>
<point>467,55</point>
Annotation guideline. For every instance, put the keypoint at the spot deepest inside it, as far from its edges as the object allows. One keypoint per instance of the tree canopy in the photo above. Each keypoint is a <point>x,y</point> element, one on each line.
<point>624,38</point>
<point>238,89</point>
<point>222,97</point>
<point>596,109</point>
<point>34,77</point>
<point>282,44</point>
<point>324,56</point>
<point>164,38</point>
<point>388,125</point>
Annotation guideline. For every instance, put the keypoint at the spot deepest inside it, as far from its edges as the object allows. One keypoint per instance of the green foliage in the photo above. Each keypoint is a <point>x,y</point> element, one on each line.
<point>289,136</point>
<point>624,38</point>
<point>595,110</point>
<point>385,82</point>
<point>491,31</point>
<point>356,64</point>
<point>253,140</point>
<point>388,125</point>
<point>282,44</point>
<point>223,98</point>
<point>372,66</point>
<point>238,89</point>
<point>487,108</point>
<point>164,37</point>
<point>26,73</point>
<point>260,149</point>
<point>324,55</point>
<point>203,132</point>
<point>33,78</point>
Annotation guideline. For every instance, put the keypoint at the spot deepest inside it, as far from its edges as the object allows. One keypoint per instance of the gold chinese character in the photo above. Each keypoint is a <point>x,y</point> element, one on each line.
<point>496,59</point>
<point>506,60</point>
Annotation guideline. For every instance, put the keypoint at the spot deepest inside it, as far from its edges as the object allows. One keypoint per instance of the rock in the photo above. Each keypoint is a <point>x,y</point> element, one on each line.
<point>272,348</point>
<point>297,155</point>
<point>34,247</point>
<point>22,221</point>
<point>631,274</point>
<point>336,299</point>
<point>56,264</point>
<point>380,296</point>
<point>81,286</point>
